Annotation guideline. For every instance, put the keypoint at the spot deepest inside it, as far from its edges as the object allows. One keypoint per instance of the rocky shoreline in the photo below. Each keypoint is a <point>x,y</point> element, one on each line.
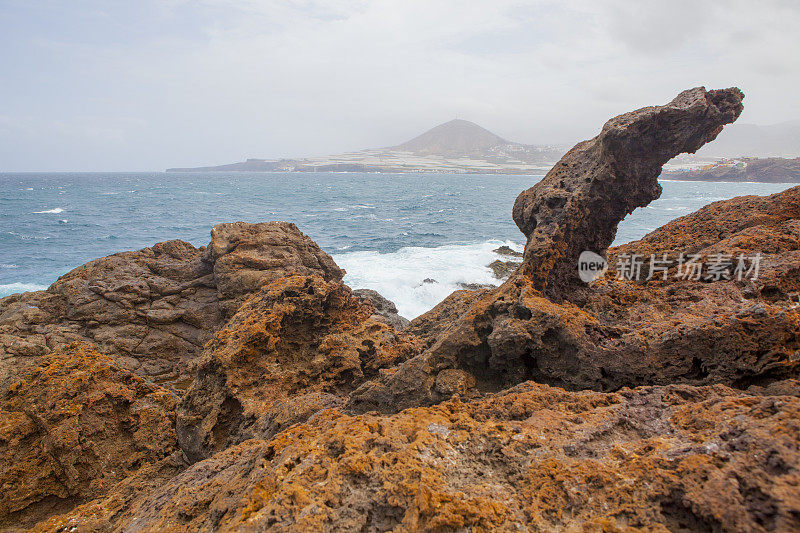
<point>243,386</point>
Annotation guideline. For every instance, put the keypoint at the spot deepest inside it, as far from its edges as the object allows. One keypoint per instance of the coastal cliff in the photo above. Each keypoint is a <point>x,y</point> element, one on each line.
<point>243,386</point>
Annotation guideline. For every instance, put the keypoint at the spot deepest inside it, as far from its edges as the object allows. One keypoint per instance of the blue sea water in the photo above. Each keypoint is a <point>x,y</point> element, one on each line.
<point>389,231</point>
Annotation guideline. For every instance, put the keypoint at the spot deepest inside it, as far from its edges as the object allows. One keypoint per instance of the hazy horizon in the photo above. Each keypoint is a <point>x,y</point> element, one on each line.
<point>93,86</point>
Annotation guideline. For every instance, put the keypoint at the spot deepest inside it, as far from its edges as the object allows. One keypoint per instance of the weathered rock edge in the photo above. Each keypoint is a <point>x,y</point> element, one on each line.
<point>579,203</point>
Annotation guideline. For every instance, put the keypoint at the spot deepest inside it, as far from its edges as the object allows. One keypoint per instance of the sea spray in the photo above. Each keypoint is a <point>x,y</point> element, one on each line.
<point>417,278</point>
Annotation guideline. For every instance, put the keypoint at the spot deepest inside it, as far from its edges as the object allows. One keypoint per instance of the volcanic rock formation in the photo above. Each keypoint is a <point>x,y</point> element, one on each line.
<point>384,308</point>
<point>296,347</point>
<point>579,203</point>
<point>531,458</point>
<point>154,309</point>
<point>310,411</point>
<point>75,426</point>
<point>543,325</point>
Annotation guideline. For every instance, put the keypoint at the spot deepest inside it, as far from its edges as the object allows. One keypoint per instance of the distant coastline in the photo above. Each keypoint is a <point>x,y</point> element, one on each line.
<point>740,170</point>
<point>463,147</point>
<point>252,166</point>
<point>456,147</point>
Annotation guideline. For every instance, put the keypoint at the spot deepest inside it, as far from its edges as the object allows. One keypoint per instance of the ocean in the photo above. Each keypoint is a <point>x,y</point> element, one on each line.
<point>390,232</point>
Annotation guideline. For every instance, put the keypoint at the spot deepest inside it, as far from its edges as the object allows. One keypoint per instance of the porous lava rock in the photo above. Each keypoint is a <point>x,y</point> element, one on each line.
<point>297,346</point>
<point>543,404</point>
<point>154,309</point>
<point>248,256</point>
<point>619,332</point>
<point>580,201</point>
<point>384,308</point>
<point>531,458</point>
<point>72,428</point>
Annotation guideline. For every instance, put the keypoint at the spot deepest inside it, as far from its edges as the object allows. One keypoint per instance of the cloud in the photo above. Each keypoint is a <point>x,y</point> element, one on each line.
<point>184,82</point>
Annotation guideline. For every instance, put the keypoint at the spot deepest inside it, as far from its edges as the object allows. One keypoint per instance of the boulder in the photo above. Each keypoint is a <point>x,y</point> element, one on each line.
<point>154,309</point>
<point>73,427</point>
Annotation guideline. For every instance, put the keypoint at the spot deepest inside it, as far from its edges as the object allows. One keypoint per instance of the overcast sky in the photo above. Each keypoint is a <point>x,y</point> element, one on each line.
<point>150,84</point>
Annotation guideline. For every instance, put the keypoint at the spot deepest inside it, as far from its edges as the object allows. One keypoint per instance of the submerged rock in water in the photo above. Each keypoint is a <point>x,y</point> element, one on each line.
<point>503,269</point>
<point>506,250</point>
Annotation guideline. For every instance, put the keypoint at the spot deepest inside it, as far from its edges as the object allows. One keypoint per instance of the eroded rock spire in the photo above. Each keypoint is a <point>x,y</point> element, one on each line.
<point>579,203</point>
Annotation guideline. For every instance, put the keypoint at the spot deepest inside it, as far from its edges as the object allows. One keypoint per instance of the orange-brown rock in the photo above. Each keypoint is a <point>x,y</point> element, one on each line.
<point>154,309</point>
<point>618,333</point>
<point>532,458</point>
<point>248,256</point>
<point>72,428</point>
<point>297,346</point>
<point>309,413</point>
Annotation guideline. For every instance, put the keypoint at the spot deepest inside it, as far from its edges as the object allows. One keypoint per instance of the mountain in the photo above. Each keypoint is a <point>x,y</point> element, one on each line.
<point>737,140</point>
<point>455,146</point>
<point>457,138</point>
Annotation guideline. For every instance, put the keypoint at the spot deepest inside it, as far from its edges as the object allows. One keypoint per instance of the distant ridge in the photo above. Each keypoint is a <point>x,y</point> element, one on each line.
<point>455,138</point>
<point>455,146</point>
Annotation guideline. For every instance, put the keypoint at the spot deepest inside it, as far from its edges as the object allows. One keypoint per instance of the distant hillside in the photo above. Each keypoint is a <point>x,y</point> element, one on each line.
<point>769,170</point>
<point>455,146</point>
<point>251,165</point>
<point>456,138</point>
<point>737,140</point>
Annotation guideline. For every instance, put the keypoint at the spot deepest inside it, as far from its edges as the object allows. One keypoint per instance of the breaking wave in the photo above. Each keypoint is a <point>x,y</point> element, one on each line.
<point>401,276</point>
<point>11,288</point>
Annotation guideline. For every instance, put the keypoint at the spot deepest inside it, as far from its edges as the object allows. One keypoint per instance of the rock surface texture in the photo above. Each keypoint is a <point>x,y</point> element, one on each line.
<point>579,203</point>
<point>74,427</point>
<point>540,405</point>
<point>384,308</point>
<point>298,346</point>
<point>154,309</point>
<point>675,458</point>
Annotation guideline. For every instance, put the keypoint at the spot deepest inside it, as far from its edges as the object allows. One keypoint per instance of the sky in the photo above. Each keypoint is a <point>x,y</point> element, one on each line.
<point>89,85</point>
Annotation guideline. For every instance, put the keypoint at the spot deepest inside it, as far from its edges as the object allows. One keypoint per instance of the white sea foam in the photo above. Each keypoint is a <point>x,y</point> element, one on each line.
<point>11,288</point>
<point>399,276</point>
<point>54,211</point>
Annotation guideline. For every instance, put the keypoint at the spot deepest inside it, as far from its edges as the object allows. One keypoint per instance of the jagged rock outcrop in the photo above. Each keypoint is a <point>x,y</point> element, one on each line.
<point>248,256</point>
<point>579,203</point>
<point>540,325</point>
<point>309,412</point>
<point>72,428</point>
<point>384,308</point>
<point>294,348</point>
<point>154,309</point>
<point>532,458</point>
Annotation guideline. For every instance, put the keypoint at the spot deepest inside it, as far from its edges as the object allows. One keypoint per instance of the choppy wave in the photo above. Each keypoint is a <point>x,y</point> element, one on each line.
<point>54,211</point>
<point>11,288</point>
<point>400,275</point>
